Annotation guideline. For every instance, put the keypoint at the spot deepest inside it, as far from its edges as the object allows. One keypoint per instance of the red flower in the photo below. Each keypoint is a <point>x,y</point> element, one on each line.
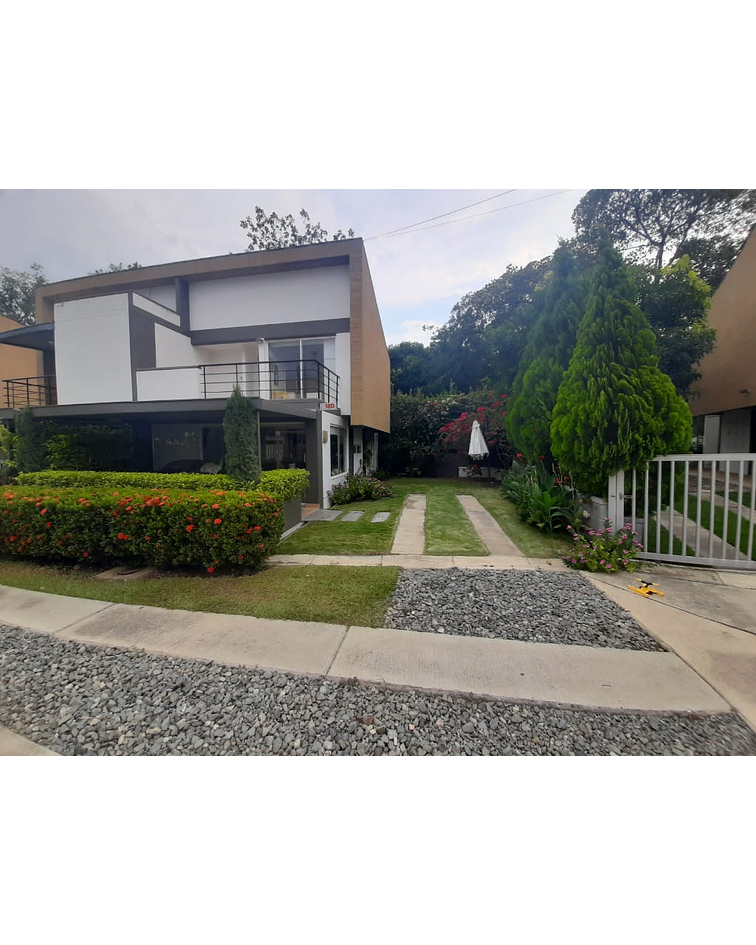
<point>217,521</point>
<point>542,457</point>
<point>519,455</point>
<point>122,536</point>
<point>211,570</point>
<point>86,554</point>
<point>189,527</point>
<point>43,511</point>
<point>216,506</point>
<point>257,528</point>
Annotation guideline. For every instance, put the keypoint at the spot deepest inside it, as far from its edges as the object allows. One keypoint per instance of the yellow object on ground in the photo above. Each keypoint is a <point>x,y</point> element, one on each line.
<point>646,588</point>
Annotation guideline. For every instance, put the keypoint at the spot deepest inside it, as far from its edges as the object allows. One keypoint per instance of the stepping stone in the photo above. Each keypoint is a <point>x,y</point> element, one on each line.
<point>352,516</point>
<point>379,517</point>
<point>324,515</point>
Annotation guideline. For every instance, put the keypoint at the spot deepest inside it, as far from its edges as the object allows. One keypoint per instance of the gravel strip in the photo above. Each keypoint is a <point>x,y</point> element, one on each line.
<point>78,698</point>
<point>536,606</point>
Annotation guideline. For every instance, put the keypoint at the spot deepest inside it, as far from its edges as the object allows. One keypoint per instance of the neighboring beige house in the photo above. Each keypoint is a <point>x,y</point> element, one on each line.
<point>16,362</point>
<point>728,375</point>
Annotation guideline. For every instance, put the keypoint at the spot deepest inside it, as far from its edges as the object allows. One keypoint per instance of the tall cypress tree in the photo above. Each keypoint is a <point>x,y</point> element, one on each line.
<point>241,432</point>
<point>547,357</point>
<point>615,408</point>
<point>31,438</point>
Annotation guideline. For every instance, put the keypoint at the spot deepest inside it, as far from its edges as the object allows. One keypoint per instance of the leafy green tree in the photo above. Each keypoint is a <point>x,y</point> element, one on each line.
<point>615,409</point>
<point>270,231</point>
<point>31,439</point>
<point>488,330</point>
<point>17,291</point>
<point>116,267</point>
<point>411,366</point>
<point>546,356</point>
<point>658,226</point>
<point>241,432</point>
<point>676,301</point>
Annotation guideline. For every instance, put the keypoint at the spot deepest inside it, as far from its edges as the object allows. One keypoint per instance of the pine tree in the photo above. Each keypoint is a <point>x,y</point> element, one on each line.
<point>615,408</point>
<point>241,432</point>
<point>546,357</point>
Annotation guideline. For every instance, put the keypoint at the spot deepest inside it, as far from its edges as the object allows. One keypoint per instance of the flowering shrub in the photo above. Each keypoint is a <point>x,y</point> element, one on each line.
<point>543,499</point>
<point>603,550</point>
<point>490,412</point>
<point>357,488</point>
<point>211,529</point>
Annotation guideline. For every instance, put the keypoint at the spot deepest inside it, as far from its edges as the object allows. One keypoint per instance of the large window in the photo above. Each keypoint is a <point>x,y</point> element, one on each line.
<point>295,367</point>
<point>337,450</point>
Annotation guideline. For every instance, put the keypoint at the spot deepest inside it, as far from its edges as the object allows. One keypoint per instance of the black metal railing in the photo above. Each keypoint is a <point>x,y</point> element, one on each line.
<point>274,380</point>
<point>30,391</point>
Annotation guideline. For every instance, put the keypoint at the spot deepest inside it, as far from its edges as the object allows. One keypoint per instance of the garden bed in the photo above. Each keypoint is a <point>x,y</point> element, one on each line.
<point>533,606</point>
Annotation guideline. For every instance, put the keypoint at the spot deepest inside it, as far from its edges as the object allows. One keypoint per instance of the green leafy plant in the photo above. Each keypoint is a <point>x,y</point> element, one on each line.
<point>211,529</point>
<point>241,433</point>
<point>30,441</point>
<point>542,499</point>
<point>8,468</point>
<point>605,550</point>
<point>357,489</point>
<point>286,483</point>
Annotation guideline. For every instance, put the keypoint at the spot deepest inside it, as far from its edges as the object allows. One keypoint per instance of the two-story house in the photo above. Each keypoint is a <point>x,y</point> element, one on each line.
<point>162,348</point>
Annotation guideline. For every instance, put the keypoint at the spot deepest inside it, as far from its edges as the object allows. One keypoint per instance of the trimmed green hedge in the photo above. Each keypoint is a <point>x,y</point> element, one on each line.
<point>286,483</point>
<point>211,528</point>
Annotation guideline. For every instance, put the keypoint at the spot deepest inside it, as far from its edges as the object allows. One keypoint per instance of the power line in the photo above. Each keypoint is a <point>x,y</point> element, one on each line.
<point>430,219</point>
<point>474,215</point>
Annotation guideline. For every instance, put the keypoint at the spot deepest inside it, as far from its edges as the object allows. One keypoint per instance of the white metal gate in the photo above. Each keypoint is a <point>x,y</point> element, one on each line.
<point>690,508</point>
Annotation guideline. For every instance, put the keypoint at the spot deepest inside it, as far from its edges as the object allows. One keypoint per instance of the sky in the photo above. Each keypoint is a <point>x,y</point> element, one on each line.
<point>418,275</point>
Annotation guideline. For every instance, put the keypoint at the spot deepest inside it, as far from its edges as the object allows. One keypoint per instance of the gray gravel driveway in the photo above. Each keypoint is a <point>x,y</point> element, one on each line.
<point>82,699</point>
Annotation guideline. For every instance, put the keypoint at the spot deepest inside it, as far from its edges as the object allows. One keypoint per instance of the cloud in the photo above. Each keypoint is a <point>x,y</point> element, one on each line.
<point>411,330</point>
<point>418,276</point>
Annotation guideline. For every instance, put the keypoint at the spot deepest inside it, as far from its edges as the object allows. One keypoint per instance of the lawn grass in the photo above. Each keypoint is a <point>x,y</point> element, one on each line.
<point>362,537</point>
<point>531,541</point>
<point>719,515</point>
<point>341,595</point>
<point>448,530</point>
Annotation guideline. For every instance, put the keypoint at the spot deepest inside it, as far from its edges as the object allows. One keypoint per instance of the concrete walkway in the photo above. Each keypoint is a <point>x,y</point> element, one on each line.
<point>505,669</point>
<point>12,744</point>
<point>723,655</point>
<point>492,562</point>
<point>409,538</point>
<point>488,529</point>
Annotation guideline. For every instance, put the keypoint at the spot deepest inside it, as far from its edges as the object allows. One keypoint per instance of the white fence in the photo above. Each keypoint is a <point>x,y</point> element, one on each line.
<point>690,508</point>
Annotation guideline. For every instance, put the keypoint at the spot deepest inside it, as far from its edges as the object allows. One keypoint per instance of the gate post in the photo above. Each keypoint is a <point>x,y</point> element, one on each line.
<point>616,511</point>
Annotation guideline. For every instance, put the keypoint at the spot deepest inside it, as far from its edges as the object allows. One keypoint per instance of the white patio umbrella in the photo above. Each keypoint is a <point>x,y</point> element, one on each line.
<point>478,448</point>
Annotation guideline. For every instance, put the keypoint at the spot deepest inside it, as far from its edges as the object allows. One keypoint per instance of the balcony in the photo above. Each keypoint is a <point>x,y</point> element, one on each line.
<point>30,392</point>
<point>273,380</point>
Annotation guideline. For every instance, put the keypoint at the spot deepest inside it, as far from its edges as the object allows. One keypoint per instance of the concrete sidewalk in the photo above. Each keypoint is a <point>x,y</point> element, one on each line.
<point>492,562</point>
<point>505,669</point>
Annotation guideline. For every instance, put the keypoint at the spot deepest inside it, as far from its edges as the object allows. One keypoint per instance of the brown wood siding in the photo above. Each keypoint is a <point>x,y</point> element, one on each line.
<point>731,366</point>
<point>371,371</point>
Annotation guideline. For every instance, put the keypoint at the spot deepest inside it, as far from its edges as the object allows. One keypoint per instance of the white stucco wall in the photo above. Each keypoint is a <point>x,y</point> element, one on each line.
<point>173,349</point>
<point>156,308</point>
<point>169,384</point>
<point>164,294</point>
<point>274,298</point>
<point>92,353</point>
<point>329,481</point>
